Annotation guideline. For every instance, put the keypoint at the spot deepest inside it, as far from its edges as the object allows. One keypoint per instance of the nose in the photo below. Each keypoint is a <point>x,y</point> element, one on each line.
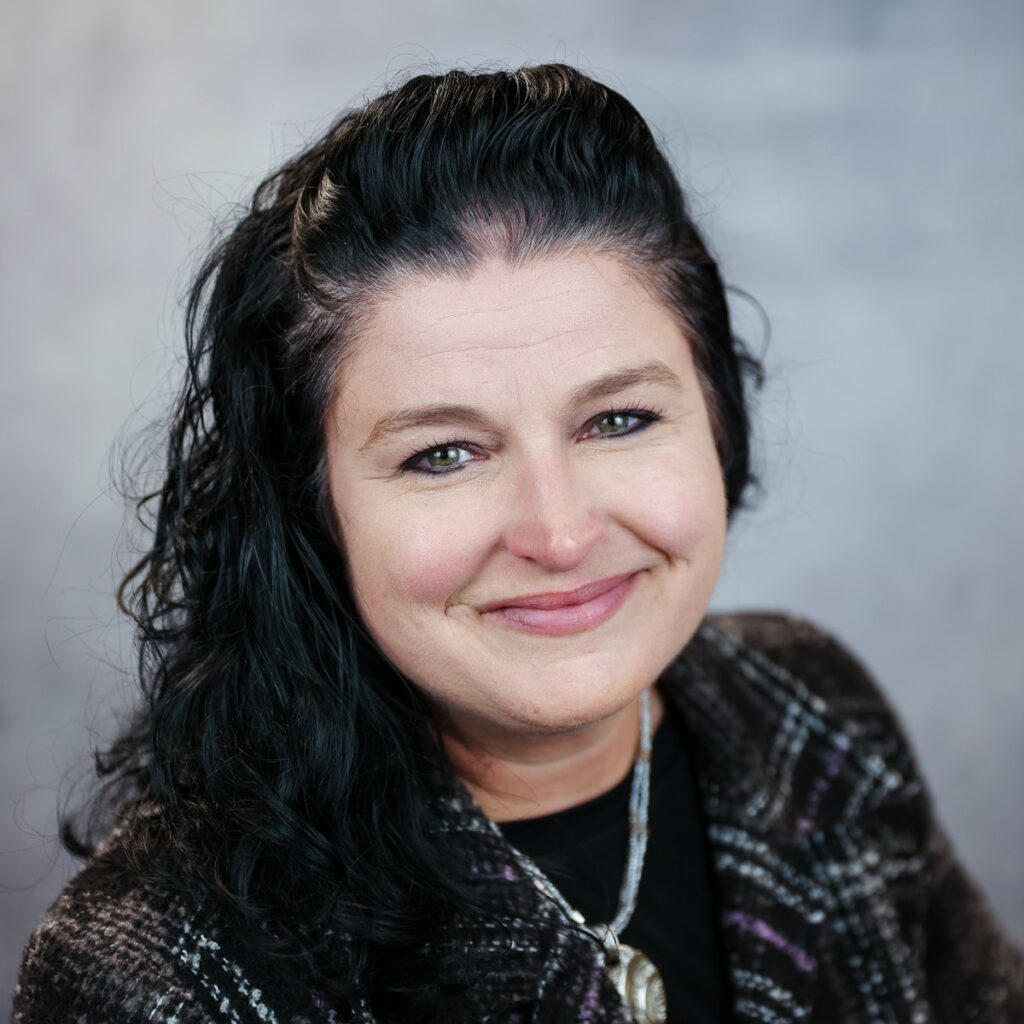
<point>551,519</point>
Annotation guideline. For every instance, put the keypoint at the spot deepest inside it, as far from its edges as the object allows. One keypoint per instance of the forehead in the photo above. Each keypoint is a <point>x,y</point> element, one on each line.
<point>547,323</point>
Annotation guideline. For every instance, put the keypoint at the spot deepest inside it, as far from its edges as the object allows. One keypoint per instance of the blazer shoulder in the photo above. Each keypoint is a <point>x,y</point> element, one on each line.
<point>121,948</point>
<point>790,673</point>
<point>103,951</point>
<point>810,668</point>
<point>810,653</point>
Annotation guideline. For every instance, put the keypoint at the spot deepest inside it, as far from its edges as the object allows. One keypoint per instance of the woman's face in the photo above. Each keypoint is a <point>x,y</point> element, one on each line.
<point>525,431</point>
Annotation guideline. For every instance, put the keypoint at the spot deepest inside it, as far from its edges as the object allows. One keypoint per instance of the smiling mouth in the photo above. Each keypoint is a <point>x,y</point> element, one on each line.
<point>566,618</point>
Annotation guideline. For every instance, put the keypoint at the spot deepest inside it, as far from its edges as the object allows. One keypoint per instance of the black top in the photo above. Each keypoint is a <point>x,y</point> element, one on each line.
<point>583,851</point>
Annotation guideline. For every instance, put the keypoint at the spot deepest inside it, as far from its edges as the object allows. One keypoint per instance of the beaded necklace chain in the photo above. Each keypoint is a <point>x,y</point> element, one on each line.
<point>635,976</point>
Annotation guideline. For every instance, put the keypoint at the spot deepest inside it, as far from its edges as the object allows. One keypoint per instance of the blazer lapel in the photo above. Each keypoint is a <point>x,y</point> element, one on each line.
<point>753,733</point>
<point>543,968</point>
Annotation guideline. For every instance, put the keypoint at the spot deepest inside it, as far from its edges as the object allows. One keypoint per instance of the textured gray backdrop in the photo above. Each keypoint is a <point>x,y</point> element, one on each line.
<point>860,168</point>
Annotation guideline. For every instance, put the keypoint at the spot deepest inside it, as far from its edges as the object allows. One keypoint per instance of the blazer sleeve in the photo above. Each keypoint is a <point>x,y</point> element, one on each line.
<point>973,972</point>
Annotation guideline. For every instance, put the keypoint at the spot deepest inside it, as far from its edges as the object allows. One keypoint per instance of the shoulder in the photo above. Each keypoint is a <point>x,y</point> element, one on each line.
<point>809,725</point>
<point>109,949</point>
<point>810,662</point>
<point>803,647</point>
<point>118,948</point>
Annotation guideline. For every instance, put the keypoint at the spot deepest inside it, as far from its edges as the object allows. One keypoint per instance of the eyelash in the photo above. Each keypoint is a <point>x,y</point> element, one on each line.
<point>646,417</point>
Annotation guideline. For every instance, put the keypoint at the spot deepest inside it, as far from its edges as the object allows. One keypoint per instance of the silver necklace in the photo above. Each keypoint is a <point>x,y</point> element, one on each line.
<point>635,976</point>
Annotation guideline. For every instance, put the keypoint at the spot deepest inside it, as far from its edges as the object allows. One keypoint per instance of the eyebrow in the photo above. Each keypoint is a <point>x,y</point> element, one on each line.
<point>653,372</point>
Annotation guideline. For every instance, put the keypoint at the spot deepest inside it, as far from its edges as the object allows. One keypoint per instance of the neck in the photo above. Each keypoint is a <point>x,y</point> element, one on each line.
<point>513,777</point>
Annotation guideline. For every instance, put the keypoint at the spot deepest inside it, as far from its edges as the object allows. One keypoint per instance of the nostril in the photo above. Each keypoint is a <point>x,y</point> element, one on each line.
<point>559,547</point>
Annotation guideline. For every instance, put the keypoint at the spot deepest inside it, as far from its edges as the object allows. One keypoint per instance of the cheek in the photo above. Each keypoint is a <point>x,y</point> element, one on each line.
<point>677,504</point>
<point>410,556</point>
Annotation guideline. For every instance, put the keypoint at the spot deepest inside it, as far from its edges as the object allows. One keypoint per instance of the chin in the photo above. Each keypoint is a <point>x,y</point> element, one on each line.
<point>566,704</point>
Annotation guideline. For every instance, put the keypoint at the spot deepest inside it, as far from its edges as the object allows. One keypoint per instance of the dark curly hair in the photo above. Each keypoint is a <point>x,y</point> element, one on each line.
<point>284,765</point>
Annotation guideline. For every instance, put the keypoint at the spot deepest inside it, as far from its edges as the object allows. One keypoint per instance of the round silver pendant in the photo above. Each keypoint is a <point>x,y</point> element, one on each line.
<point>639,984</point>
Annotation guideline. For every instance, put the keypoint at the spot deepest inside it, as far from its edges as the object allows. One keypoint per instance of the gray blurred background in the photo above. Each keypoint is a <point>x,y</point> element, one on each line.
<point>859,167</point>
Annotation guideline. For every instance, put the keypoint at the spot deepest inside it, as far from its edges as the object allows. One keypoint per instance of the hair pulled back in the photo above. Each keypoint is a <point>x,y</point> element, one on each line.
<point>282,762</point>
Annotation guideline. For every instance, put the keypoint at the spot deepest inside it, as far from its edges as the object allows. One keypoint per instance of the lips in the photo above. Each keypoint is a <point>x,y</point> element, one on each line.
<point>559,599</point>
<point>560,614</point>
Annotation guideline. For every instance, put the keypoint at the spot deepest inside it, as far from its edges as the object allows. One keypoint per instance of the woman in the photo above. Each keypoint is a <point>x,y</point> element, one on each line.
<point>435,725</point>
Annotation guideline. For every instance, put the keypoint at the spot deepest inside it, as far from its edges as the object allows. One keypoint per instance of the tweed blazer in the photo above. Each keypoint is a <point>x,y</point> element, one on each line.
<point>840,898</point>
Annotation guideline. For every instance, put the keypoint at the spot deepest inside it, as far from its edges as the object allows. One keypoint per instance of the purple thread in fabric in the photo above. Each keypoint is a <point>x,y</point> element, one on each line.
<point>835,758</point>
<point>509,873</point>
<point>590,1000</point>
<point>803,960</point>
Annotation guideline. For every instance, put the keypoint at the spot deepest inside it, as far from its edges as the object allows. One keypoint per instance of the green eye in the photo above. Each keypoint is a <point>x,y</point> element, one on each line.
<point>616,421</point>
<point>622,422</point>
<point>446,457</point>
<point>443,458</point>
